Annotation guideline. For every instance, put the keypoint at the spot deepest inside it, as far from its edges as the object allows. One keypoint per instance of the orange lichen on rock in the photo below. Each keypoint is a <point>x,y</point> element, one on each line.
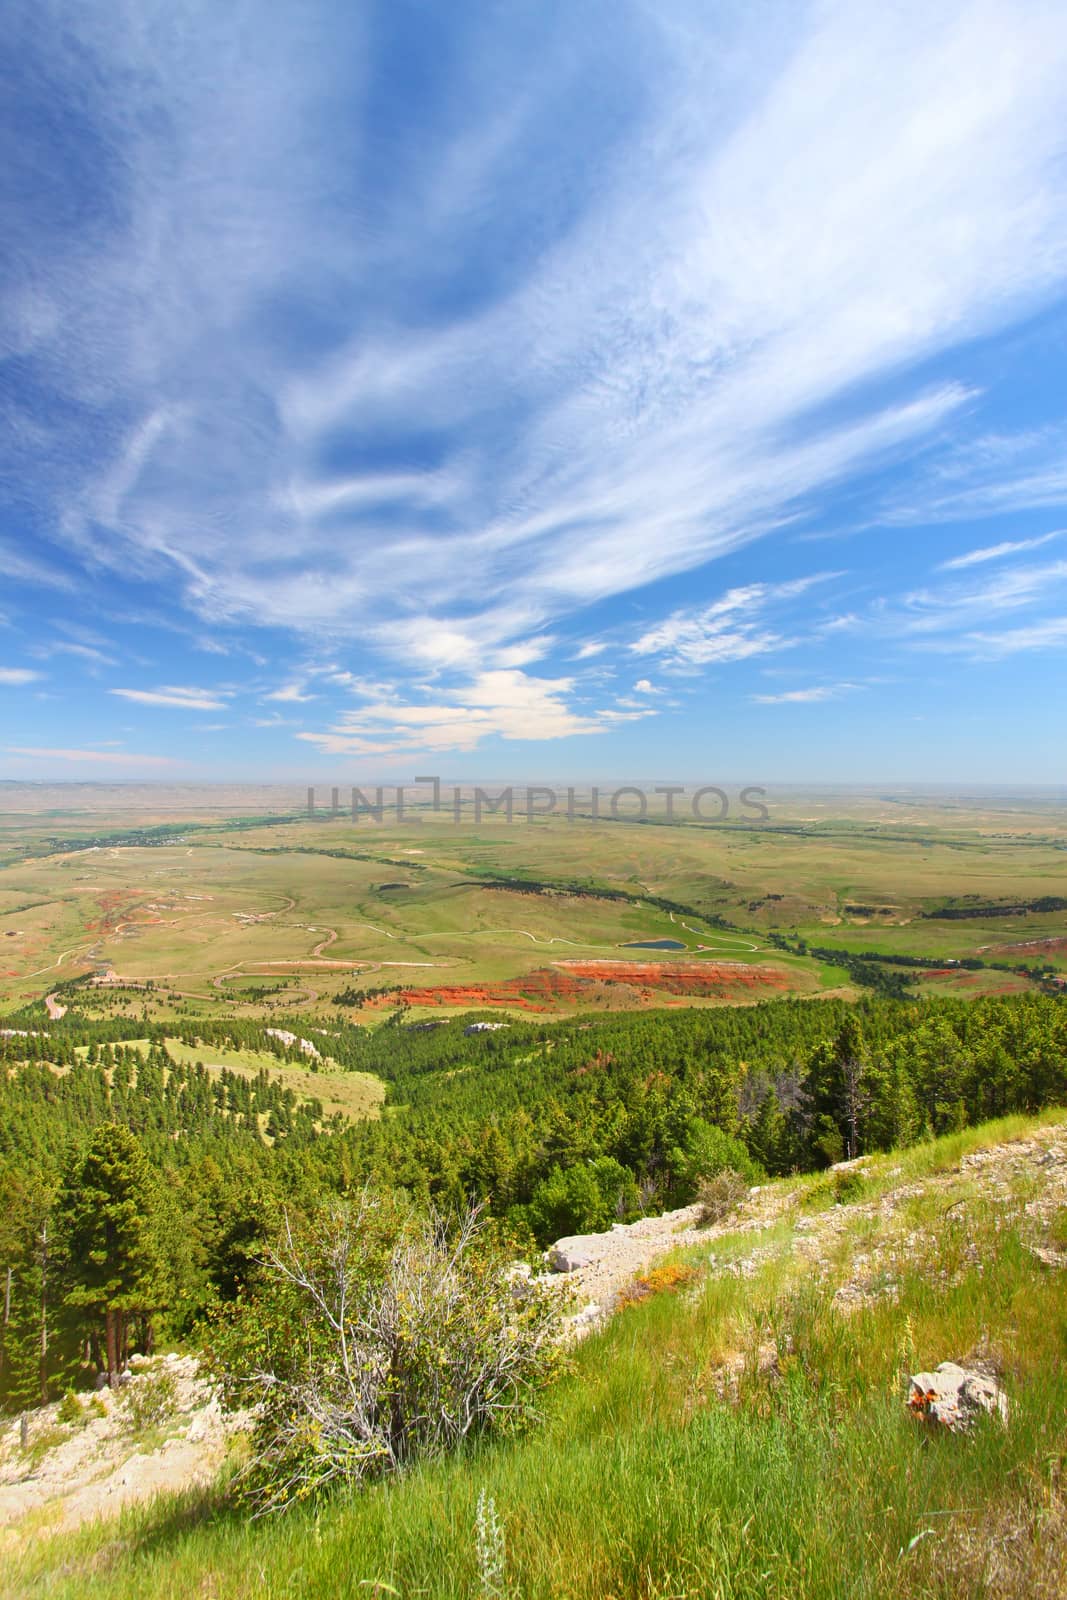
<point>659,1280</point>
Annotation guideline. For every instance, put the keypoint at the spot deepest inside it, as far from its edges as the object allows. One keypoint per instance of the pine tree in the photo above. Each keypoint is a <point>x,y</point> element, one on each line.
<point>841,1087</point>
<point>28,1292</point>
<point>768,1135</point>
<point>108,1213</point>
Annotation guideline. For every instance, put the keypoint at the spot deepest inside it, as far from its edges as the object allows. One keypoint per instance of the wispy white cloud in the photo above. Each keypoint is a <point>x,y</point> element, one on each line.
<point>846,622</point>
<point>291,692</point>
<point>789,216</point>
<point>177,697</point>
<point>957,608</point>
<point>732,628</point>
<point>15,677</point>
<point>1046,635</point>
<point>968,612</point>
<point>368,688</point>
<point>89,653</point>
<point>524,652</point>
<point>812,696</point>
<point>997,552</point>
<point>425,643</point>
<point>112,758</point>
<point>625,710</point>
<point>22,568</point>
<point>991,475</point>
<point>506,703</point>
<point>312,501</point>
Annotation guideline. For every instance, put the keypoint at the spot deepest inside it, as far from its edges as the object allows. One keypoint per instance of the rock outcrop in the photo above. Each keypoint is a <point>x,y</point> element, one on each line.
<point>955,1397</point>
<point>290,1039</point>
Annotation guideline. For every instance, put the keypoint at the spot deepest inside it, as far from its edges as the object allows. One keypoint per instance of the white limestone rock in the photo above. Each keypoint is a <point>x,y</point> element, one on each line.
<point>954,1397</point>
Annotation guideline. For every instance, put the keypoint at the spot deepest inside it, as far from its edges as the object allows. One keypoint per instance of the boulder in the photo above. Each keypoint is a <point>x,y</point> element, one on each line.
<point>955,1397</point>
<point>290,1039</point>
<point>567,1255</point>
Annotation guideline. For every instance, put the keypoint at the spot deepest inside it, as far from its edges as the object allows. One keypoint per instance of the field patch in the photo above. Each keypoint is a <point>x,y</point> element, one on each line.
<point>1052,949</point>
<point>968,985</point>
<point>354,1095</point>
<point>200,921</point>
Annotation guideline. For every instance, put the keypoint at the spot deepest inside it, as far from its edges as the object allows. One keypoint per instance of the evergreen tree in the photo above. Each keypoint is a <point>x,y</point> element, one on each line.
<point>28,1290</point>
<point>108,1212</point>
<point>768,1136</point>
<point>842,1087</point>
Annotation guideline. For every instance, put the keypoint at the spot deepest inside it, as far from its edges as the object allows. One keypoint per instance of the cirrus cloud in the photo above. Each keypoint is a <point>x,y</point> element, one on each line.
<point>640,384</point>
<point>93,757</point>
<point>175,697</point>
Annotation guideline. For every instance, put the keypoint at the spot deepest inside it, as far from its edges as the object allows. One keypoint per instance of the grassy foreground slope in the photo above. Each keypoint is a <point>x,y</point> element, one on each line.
<point>745,1436</point>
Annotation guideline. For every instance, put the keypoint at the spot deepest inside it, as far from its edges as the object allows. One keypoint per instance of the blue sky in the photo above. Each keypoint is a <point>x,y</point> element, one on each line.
<point>543,389</point>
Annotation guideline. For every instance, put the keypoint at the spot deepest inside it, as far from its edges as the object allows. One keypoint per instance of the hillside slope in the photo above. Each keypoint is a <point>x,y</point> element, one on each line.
<point>745,1435</point>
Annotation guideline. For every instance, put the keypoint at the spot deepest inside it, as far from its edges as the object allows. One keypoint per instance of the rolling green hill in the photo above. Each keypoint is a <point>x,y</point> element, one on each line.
<point>744,1435</point>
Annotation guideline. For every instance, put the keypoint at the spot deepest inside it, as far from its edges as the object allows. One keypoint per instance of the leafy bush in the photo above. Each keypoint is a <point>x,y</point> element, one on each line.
<point>720,1195</point>
<point>583,1199</point>
<point>707,1151</point>
<point>833,1189</point>
<point>848,1186</point>
<point>150,1401</point>
<point>376,1335</point>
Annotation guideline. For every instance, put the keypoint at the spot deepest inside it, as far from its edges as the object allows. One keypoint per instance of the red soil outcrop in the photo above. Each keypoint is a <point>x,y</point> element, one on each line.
<point>575,982</point>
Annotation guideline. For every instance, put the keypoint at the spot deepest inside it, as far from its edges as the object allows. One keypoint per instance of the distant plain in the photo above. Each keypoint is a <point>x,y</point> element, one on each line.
<point>235,901</point>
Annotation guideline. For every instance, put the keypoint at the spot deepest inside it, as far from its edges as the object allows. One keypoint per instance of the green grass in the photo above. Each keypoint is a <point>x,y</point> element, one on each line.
<point>941,1155</point>
<point>355,1095</point>
<point>741,1439</point>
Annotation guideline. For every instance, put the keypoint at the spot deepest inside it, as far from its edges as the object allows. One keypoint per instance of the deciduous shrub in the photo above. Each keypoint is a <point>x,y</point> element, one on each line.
<point>720,1195</point>
<point>585,1198</point>
<point>707,1151</point>
<point>150,1401</point>
<point>848,1186</point>
<point>376,1334</point>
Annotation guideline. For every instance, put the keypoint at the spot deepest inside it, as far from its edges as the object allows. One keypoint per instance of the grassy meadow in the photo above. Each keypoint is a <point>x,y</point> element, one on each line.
<point>354,1095</point>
